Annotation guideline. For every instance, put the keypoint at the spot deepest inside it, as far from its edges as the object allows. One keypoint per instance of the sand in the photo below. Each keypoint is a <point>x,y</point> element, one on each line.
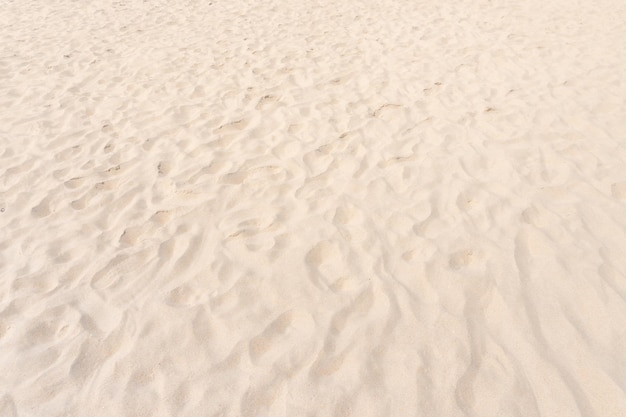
<point>313,208</point>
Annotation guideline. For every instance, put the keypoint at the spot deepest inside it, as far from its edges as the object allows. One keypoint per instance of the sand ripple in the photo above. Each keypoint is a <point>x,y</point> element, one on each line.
<point>280,208</point>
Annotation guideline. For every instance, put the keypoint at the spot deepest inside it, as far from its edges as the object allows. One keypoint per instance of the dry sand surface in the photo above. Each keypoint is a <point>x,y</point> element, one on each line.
<point>309,208</point>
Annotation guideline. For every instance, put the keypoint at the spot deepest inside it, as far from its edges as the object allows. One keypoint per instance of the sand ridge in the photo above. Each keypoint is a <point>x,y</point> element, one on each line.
<point>316,208</point>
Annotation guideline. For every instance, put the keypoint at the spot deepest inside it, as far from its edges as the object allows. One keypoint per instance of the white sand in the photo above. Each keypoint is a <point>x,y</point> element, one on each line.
<point>313,208</point>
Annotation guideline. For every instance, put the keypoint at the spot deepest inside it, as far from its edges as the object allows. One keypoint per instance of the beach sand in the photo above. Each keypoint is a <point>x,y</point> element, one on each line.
<point>313,208</point>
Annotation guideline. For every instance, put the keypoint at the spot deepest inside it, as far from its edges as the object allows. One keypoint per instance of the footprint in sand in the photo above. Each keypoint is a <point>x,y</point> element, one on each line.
<point>236,126</point>
<point>164,168</point>
<point>384,111</point>
<point>465,258</point>
<point>266,101</point>
<point>325,262</point>
<point>618,190</point>
<point>262,343</point>
<point>7,406</point>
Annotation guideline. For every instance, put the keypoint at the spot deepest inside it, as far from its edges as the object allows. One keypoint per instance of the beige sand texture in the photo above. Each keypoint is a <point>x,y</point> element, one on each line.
<point>310,208</point>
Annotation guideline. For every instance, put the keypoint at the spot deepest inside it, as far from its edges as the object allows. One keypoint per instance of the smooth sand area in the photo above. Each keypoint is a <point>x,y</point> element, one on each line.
<point>312,208</point>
